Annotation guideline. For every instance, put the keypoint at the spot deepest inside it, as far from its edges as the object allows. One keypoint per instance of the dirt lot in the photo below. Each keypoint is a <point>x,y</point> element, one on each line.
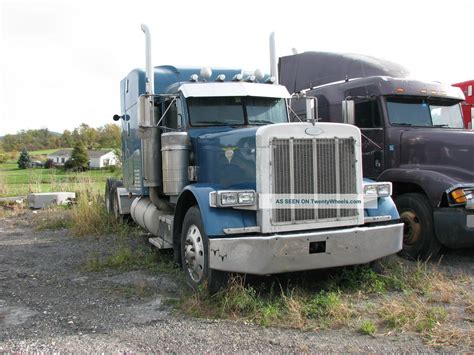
<point>48,302</point>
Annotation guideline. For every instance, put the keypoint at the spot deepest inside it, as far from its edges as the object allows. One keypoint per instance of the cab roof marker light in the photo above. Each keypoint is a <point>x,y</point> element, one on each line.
<point>206,73</point>
<point>220,78</point>
<point>250,78</point>
<point>194,78</point>
<point>237,77</point>
<point>400,90</point>
<point>259,74</point>
<point>423,91</point>
<point>270,80</point>
<point>433,92</point>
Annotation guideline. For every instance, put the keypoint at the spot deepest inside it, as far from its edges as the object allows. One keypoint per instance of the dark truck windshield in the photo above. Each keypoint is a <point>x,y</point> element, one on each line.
<point>206,111</point>
<point>424,113</point>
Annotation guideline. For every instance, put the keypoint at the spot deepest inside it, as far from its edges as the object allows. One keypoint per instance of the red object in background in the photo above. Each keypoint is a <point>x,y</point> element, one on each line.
<point>467,106</point>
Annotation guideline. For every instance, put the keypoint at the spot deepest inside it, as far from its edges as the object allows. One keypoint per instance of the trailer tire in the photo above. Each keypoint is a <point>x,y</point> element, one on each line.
<point>195,255</point>
<point>419,239</point>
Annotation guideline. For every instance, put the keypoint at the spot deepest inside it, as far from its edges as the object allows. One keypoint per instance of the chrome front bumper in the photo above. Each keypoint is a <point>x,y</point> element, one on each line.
<point>278,253</point>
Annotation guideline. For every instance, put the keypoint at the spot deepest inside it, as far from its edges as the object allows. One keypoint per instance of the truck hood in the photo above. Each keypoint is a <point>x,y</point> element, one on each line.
<point>225,156</point>
<point>446,151</point>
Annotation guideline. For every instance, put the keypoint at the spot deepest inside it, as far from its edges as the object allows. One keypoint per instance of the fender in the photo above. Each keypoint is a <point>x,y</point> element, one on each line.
<point>433,183</point>
<point>216,219</point>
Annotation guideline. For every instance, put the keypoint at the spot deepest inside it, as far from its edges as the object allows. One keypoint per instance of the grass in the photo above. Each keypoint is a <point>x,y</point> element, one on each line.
<point>20,182</point>
<point>123,258</point>
<point>368,327</point>
<point>407,297</point>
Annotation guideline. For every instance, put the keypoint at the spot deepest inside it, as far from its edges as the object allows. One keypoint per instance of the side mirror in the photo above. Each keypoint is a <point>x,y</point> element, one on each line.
<point>348,111</point>
<point>146,111</point>
<point>311,109</point>
<point>179,114</point>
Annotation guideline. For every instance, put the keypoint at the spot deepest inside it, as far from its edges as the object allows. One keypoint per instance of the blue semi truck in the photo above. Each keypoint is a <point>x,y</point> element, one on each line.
<point>206,151</point>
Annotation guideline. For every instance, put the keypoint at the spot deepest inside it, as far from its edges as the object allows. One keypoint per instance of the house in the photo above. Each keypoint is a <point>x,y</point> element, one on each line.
<point>97,158</point>
<point>101,158</point>
<point>59,157</point>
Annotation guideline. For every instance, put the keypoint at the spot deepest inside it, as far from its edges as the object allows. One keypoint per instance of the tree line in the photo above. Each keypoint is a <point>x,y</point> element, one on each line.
<point>107,136</point>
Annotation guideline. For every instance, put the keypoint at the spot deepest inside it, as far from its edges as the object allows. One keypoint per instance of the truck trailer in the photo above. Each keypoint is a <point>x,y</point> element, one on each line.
<point>203,152</point>
<point>468,104</point>
<point>412,135</point>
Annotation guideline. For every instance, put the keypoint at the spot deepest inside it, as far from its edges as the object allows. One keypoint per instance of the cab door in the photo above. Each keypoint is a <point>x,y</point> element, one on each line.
<point>368,118</point>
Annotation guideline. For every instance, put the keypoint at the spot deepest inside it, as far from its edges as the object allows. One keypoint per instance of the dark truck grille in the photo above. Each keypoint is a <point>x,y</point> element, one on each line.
<point>313,166</point>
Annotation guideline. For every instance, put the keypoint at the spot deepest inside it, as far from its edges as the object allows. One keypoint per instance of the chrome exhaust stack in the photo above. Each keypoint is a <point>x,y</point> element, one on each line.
<point>150,82</point>
<point>273,59</point>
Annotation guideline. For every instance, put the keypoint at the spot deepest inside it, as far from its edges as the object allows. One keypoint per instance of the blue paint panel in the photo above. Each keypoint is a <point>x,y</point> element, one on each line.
<point>234,171</point>
<point>216,219</point>
<point>385,207</point>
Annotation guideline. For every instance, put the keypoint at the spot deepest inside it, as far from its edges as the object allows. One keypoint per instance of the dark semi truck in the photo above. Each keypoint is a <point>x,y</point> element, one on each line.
<point>413,136</point>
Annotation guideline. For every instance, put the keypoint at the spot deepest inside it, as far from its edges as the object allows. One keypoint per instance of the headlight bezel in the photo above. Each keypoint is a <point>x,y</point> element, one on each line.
<point>243,198</point>
<point>377,189</point>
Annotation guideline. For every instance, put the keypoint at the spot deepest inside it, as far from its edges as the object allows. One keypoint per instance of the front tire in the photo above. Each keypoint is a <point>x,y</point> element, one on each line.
<point>419,239</point>
<point>195,254</point>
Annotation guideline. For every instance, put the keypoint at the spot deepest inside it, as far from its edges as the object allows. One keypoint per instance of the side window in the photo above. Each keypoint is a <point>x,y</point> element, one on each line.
<point>367,114</point>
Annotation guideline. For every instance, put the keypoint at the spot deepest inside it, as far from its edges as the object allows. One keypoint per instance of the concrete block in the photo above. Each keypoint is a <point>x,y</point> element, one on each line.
<point>47,199</point>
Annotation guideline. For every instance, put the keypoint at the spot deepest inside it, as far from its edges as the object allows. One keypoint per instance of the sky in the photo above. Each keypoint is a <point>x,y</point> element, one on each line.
<point>62,61</point>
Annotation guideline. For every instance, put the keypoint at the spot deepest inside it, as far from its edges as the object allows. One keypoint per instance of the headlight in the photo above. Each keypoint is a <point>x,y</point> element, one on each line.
<point>246,198</point>
<point>228,198</point>
<point>378,189</point>
<point>232,198</point>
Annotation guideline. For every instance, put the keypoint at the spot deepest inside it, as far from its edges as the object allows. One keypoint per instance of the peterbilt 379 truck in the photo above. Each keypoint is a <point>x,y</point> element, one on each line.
<point>412,136</point>
<point>200,150</point>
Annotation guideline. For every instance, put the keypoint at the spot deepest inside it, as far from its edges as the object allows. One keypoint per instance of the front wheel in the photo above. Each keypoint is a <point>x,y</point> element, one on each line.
<point>195,254</point>
<point>419,240</point>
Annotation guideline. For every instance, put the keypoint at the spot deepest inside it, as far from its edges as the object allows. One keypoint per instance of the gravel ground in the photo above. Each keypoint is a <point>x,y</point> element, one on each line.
<point>48,303</point>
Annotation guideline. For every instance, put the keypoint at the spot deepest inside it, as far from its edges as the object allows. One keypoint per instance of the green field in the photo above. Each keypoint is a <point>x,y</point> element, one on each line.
<point>20,182</point>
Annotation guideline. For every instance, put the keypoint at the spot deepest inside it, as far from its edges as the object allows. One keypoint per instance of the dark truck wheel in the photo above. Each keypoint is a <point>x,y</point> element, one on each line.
<point>419,239</point>
<point>195,254</point>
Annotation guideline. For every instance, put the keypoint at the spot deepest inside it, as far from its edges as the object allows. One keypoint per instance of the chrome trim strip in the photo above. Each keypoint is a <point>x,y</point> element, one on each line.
<point>242,230</point>
<point>371,219</point>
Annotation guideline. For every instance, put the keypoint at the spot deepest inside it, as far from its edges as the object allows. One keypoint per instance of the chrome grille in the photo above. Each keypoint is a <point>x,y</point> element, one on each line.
<point>313,166</point>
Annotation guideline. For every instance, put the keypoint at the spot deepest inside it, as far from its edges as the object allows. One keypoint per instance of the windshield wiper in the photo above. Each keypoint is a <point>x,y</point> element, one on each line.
<point>261,122</point>
<point>402,124</point>
<point>217,123</point>
<point>440,125</point>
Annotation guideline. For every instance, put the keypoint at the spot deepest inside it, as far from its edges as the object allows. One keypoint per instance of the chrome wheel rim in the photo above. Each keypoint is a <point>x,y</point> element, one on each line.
<point>194,253</point>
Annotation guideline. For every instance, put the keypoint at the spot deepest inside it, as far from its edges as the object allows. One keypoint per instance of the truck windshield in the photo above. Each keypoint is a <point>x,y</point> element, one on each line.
<point>424,113</point>
<point>209,111</point>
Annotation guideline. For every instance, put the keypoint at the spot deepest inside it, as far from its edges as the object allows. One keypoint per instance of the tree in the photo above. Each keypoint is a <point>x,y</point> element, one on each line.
<point>24,160</point>
<point>79,158</point>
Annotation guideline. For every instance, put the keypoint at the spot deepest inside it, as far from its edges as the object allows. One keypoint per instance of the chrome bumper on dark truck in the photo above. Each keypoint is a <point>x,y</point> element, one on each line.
<point>278,253</point>
<point>454,227</point>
